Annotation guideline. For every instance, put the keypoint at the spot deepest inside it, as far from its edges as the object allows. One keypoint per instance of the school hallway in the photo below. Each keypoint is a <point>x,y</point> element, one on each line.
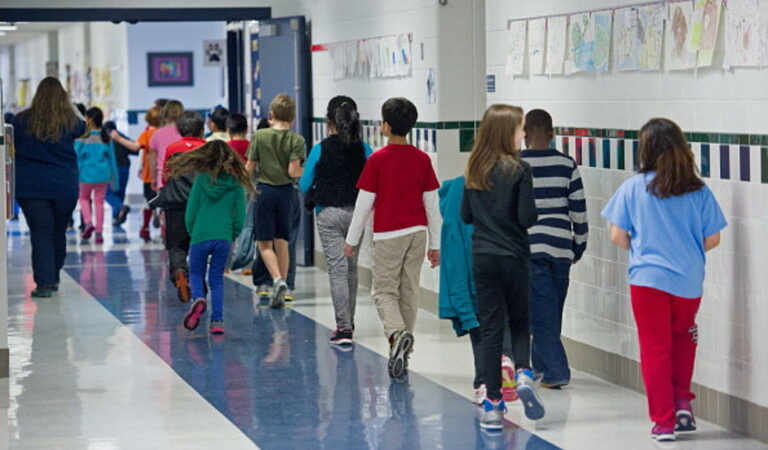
<point>106,364</point>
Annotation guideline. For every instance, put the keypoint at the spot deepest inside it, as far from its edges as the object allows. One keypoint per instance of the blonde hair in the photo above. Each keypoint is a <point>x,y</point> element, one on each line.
<point>171,112</point>
<point>51,113</point>
<point>495,142</point>
<point>283,108</point>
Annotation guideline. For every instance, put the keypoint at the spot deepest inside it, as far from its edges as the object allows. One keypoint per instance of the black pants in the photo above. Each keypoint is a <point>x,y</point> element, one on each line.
<point>176,241</point>
<point>476,338</point>
<point>47,220</point>
<point>502,297</point>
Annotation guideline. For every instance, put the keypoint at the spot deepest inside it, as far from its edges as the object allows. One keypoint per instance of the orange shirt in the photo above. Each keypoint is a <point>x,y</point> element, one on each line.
<point>143,140</point>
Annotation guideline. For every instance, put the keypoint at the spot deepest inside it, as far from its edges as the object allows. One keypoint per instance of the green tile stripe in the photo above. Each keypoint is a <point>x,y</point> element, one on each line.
<point>764,164</point>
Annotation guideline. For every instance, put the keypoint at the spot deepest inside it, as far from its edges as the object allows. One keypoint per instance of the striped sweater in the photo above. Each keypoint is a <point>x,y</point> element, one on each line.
<point>561,230</point>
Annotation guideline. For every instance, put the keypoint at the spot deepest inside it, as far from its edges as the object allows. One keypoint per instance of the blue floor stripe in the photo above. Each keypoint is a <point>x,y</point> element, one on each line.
<point>275,376</point>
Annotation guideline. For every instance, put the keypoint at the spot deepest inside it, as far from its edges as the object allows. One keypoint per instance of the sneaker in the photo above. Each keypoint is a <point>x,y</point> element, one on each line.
<point>192,318</point>
<point>42,292</point>
<point>341,337</point>
<point>144,234</point>
<point>552,385</point>
<point>182,286</point>
<point>122,214</point>
<point>115,222</point>
<point>88,231</point>
<point>534,409</point>
<point>216,327</point>
<point>277,296</point>
<point>493,415</point>
<point>508,387</point>
<point>99,238</point>
<point>263,290</point>
<point>684,414</point>
<point>401,343</point>
<point>663,434</point>
<point>480,395</point>
<point>289,297</point>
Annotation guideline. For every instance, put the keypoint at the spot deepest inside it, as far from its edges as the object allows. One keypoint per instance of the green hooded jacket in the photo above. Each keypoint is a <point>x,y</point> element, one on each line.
<point>215,211</point>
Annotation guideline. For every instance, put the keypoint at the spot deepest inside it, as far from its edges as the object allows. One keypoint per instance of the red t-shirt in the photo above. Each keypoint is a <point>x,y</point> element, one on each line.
<point>182,146</point>
<point>399,175</point>
<point>240,146</point>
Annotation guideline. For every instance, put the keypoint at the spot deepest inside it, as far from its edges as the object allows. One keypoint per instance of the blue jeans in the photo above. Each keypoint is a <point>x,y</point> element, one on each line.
<point>198,263</point>
<point>47,220</point>
<point>549,287</point>
<point>116,199</point>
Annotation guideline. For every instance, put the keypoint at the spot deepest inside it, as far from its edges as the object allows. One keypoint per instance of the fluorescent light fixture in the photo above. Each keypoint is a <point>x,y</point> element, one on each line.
<point>8,28</point>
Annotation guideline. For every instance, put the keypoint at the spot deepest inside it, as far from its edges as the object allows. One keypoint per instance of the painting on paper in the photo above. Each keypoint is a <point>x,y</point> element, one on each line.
<point>581,43</point>
<point>556,36</point>
<point>679,54</point>
<point>516,36</point>
<point>629,35</point>
<point>170,69</point>
<point>742,34</point>
<point>706,21</point>
<point>601,55</point>
<point>652,26</point>
<point>537,36</point>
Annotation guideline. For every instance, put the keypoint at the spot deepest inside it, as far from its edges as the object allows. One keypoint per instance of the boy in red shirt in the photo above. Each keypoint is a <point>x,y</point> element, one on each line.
<point>399,184</point>
<point>237,128</point>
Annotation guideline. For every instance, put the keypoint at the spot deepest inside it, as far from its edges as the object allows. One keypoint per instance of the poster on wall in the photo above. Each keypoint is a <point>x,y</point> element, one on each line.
<point>601,55</point>
<point>628,38</point>
<point>742,34</point>
<point>581,38</point>
<point>537,37</point>
<point>169,69</point>
<point>214,53</point>
<point>516,40</point>
<point>679,53</point>
<point>556,42</point>
<point>705,24</point>
<point>652,25</point>
<point>431,87</point>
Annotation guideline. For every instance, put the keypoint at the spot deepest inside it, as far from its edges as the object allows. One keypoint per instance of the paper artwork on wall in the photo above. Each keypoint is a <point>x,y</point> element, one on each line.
<point>652,26</point>
<point>679,54</point>
<point>516,40</point>
<point>628,38</point>
<point>763,34</point>
<point>742,34</point>
<point>381,57</point>
<point>557,29</point>
<point>602,22</point>
<point>581,38</point>
<point>431,87</point>
<point>706,21</point>
<point>537,37</point>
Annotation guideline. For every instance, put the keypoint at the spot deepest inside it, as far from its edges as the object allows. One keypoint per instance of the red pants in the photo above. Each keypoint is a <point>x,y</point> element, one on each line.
<point>668,336</point>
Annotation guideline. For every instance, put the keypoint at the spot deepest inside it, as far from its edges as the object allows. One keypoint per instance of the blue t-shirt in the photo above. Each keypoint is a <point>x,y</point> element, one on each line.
<point>667,235</point>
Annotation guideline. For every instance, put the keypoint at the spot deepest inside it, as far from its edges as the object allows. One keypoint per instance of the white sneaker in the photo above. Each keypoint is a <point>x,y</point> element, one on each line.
<point>277,296</point>
<point>480,394</point>
<point>532,405</point>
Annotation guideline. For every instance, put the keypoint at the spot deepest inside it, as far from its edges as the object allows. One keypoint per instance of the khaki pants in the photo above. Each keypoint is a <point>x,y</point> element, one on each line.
<point>396,273</point>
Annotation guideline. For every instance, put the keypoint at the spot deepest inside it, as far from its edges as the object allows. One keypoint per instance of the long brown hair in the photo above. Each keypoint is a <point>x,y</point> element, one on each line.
<point>495,141</point>
<point>664,149</point>
<point>171,112</point>
<point>51,113</point>
<point>215,158</point>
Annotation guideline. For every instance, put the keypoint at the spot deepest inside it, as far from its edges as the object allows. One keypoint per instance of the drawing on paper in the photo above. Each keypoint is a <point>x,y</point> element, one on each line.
<point>763,37</point>
<point>556,36</point>
<point>582,43</point>
<point>679,54</point>
<point>601,54</point>
<point>537,36</point>
<point>652,30</point>
<point>742,34</point>
<point>629,35</point>
<point>706,21</point>
<point>382,57</point>
<point>516,36</point>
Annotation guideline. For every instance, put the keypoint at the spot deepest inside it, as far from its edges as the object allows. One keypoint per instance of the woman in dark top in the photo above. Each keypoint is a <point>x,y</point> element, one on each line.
<point>47,178</point>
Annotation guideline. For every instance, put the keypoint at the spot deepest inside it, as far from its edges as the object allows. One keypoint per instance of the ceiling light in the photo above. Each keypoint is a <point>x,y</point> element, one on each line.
<point>8,28</point>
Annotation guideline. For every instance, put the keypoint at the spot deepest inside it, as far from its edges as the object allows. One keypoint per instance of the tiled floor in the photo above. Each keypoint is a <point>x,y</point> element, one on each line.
<point>106,365</point>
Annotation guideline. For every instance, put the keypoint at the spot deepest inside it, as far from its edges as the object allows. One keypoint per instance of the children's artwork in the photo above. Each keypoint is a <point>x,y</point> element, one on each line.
<point>706,21</point>
<point>763,32</point>
<point>516,36</point>
<point>537,37</point>
<point>629,35</point>
<point>382,57</point>
<point>169,69</point>
<point>652,28</point>
<point>742,34</point>
<point>581,38</point>
<point>556,37</point>
<point>679,54</point>
<point>601,55</point>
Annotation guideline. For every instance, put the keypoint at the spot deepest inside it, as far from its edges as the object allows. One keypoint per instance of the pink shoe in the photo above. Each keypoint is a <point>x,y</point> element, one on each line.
<point>192,319</point>
<point>88,231</point>
<point>216,327</point>
<point>508,386</point>
<point>684,416</point>
<point>663,434</point>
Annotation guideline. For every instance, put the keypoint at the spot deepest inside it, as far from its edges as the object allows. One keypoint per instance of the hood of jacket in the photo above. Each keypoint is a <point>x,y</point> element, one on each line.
<point>224,183</point>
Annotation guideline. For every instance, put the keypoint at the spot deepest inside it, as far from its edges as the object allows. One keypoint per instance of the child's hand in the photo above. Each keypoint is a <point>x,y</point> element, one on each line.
<point>349,250</point>
<point>434,257</point>
<point>114,134</point>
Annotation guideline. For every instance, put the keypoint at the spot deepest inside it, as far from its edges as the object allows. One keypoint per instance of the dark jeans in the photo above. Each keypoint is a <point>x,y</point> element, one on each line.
<point>198,263</point>
<point>260,273</point>
<point>549,287</point>
<point>116,199</point>
<point>502,297</point>
<point>47,220</point>
<point>475,336</point>
<point>176,241</point>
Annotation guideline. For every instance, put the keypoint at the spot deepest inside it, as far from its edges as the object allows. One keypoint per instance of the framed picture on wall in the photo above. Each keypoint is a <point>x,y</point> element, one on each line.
<point>170,69</point>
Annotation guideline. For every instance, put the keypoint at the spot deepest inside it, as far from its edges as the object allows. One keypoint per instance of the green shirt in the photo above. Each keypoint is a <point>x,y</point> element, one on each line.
<point>215,211</point>
<point>273,150</point>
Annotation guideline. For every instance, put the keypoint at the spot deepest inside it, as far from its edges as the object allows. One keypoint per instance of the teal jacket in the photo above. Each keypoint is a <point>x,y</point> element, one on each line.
<point>96,160</point>
<point>457,284</point>
<point>215,211</point>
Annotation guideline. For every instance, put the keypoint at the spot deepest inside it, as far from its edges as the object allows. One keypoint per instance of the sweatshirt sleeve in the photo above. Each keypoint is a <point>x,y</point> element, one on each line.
<point>239,213</point>
<point>308,178</point>
<point>431,205</point>
<point>192,205</point>
<point>526,202</point>
<point>363,208</point>
<point>577,211</point>
<point>115,176</point>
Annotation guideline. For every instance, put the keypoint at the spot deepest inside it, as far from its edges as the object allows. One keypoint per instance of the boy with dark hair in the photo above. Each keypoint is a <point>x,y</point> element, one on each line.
<point>191,127</point>
<point>237,128</point>
<point>400,181</point>
<point>558,240</point>
<point>278,154</point>
<point>217,123</point>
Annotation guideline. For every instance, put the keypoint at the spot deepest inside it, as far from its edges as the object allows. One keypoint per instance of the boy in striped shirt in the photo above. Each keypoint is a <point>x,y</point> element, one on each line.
<point>558,240</point>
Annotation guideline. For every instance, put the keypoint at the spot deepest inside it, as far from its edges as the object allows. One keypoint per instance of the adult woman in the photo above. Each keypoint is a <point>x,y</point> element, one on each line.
<point>45,135</point>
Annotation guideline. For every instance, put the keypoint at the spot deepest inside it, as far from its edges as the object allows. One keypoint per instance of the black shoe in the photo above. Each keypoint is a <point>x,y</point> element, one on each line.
<point>122,215</point>
<point>402,341</point>
<point>341,337</point>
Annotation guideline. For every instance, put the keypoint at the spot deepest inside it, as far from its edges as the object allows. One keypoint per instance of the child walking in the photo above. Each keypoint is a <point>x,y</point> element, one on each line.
<point>400,182</point>
<point>558,240</point>
<point>98,171</point>
<point>214,218</point>
<point>499,201</point>
<point>237,128</point>
<point>668,219</point>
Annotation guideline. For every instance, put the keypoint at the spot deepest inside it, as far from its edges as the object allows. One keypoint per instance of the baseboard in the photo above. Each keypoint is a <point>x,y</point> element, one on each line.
<point>4,363</point>
<point>733,413</point>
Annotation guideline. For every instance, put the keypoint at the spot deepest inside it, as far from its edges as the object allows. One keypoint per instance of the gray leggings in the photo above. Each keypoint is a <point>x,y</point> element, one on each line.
<point>332,226</point>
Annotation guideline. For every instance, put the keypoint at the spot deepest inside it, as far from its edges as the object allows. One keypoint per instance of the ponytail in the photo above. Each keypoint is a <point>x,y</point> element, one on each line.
<point>96,115</point>
<point>342,114</point>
